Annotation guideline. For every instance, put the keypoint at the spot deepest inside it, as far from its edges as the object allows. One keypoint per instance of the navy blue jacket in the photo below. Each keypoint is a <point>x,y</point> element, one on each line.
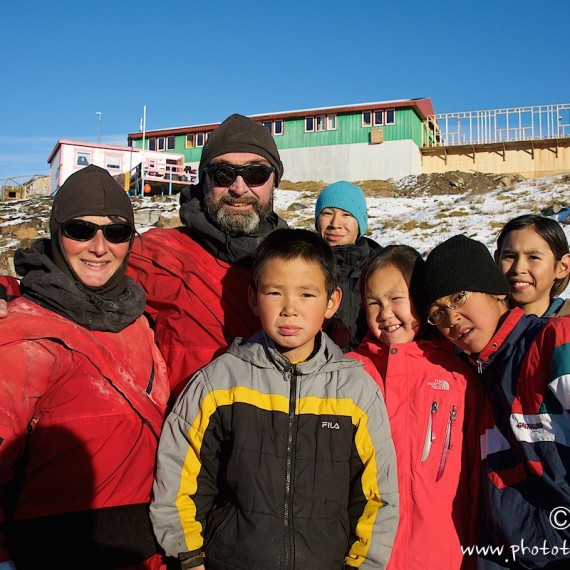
<point>525,444</point>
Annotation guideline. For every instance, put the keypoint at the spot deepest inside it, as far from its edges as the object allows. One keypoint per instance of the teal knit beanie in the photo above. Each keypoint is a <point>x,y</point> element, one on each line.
<point>347,197</point>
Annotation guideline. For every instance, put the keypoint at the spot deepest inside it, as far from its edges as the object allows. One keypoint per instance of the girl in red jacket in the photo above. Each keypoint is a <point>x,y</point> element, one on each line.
<point>83,391</point>
<point>425,388</point>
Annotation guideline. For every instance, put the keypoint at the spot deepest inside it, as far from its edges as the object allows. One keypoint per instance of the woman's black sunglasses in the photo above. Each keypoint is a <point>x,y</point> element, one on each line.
<point>223,174</point>
<point>82,230</point>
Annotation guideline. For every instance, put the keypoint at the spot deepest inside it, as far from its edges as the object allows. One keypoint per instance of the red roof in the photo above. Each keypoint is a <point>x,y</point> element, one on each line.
<point>423,107</point>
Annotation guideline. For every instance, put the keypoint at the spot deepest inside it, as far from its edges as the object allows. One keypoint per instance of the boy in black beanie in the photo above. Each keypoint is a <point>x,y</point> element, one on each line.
<point>524,364</point>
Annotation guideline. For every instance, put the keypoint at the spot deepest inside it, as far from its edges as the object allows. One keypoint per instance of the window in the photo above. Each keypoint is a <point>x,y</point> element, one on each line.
<point>274,127</point>
<point>200,139</point>
<point>83,159</point>
<point>189,141</point>
<point>151,144</point>
<point>170,142</point>
<point>113,161</point>
<point>161,143</point>
<point>320,123</point>
<point>378,117</point>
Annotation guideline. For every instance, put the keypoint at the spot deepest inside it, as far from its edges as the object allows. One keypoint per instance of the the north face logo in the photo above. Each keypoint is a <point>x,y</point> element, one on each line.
<point>438,384</point>
<point>330,425</point>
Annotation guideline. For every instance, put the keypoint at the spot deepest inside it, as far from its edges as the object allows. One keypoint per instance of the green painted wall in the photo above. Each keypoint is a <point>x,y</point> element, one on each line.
<point>349,130</point>
<point>190,154</point>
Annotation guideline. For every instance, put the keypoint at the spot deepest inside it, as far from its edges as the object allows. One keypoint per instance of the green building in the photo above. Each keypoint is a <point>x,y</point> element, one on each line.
<point>380,140</point>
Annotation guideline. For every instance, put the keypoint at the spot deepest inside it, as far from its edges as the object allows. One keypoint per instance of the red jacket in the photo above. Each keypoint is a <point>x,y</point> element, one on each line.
<point>84,408</point>
<point>425,391</point>
<point>9,287</point>
<point>199,303</point>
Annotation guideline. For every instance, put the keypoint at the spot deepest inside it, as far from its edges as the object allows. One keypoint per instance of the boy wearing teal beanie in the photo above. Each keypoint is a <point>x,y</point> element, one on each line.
<point>347,197</point>
<point>341,219</point>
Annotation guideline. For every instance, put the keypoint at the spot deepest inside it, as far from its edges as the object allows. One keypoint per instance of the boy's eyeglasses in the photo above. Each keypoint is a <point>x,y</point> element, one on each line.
<point>438,315</point>
<point>82,230</point>
<point>252,174</point>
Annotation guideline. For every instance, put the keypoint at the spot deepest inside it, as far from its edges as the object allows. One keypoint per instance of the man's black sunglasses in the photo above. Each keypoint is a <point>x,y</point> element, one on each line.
<point>82,230</point>
<point>223,174</point>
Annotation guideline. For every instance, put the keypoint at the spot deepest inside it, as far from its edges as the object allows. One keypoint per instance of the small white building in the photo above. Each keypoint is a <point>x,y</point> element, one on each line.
<point>163,172</point>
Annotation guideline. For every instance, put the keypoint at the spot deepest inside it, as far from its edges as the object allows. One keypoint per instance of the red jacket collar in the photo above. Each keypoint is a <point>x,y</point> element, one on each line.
<point>510,322</point>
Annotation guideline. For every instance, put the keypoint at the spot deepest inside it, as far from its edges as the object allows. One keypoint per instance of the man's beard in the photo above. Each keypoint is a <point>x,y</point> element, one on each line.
<point>235,222</point>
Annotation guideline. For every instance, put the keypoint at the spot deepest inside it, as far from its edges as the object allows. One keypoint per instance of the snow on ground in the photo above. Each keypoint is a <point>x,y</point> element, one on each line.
<point>423,222</point>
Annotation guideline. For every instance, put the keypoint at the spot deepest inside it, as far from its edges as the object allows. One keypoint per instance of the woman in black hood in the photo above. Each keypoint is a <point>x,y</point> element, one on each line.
<point>83,391</point>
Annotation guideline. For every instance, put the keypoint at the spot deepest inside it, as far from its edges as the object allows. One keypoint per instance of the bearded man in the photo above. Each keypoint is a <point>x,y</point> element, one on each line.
<point>196,276</point>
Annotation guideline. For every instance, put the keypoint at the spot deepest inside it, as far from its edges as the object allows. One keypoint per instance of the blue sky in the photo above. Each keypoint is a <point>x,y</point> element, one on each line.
<point>194,62</point>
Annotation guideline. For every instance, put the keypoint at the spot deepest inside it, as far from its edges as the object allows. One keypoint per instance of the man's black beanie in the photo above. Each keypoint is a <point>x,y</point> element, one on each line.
<point>240,134</point>
<point>461,264</point>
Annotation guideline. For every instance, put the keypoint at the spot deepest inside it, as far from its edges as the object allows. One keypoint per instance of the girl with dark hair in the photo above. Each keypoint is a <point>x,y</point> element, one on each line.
<point>533,254</point>
<point>83,390</point>
<point>428,393</point>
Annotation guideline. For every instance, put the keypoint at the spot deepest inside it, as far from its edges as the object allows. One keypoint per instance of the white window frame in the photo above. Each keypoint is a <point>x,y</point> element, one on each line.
<point>384,117</point>
<point>320,123</point>
<point>160,143</point>
<point>170,142</point>
<point>82,154</point>
<point>189,141</point>
<point>113,161</point>
<point>274,127</point>
<point>200,139</point>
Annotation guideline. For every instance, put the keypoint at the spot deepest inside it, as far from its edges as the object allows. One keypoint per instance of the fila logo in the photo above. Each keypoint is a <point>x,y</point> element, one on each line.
<point>330,425</point>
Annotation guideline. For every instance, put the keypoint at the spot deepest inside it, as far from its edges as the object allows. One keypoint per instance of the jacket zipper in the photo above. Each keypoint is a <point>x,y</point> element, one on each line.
<point>148,389</point>
<point>291,437</point>
<point>429,432</point>
<point>447,443</point>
